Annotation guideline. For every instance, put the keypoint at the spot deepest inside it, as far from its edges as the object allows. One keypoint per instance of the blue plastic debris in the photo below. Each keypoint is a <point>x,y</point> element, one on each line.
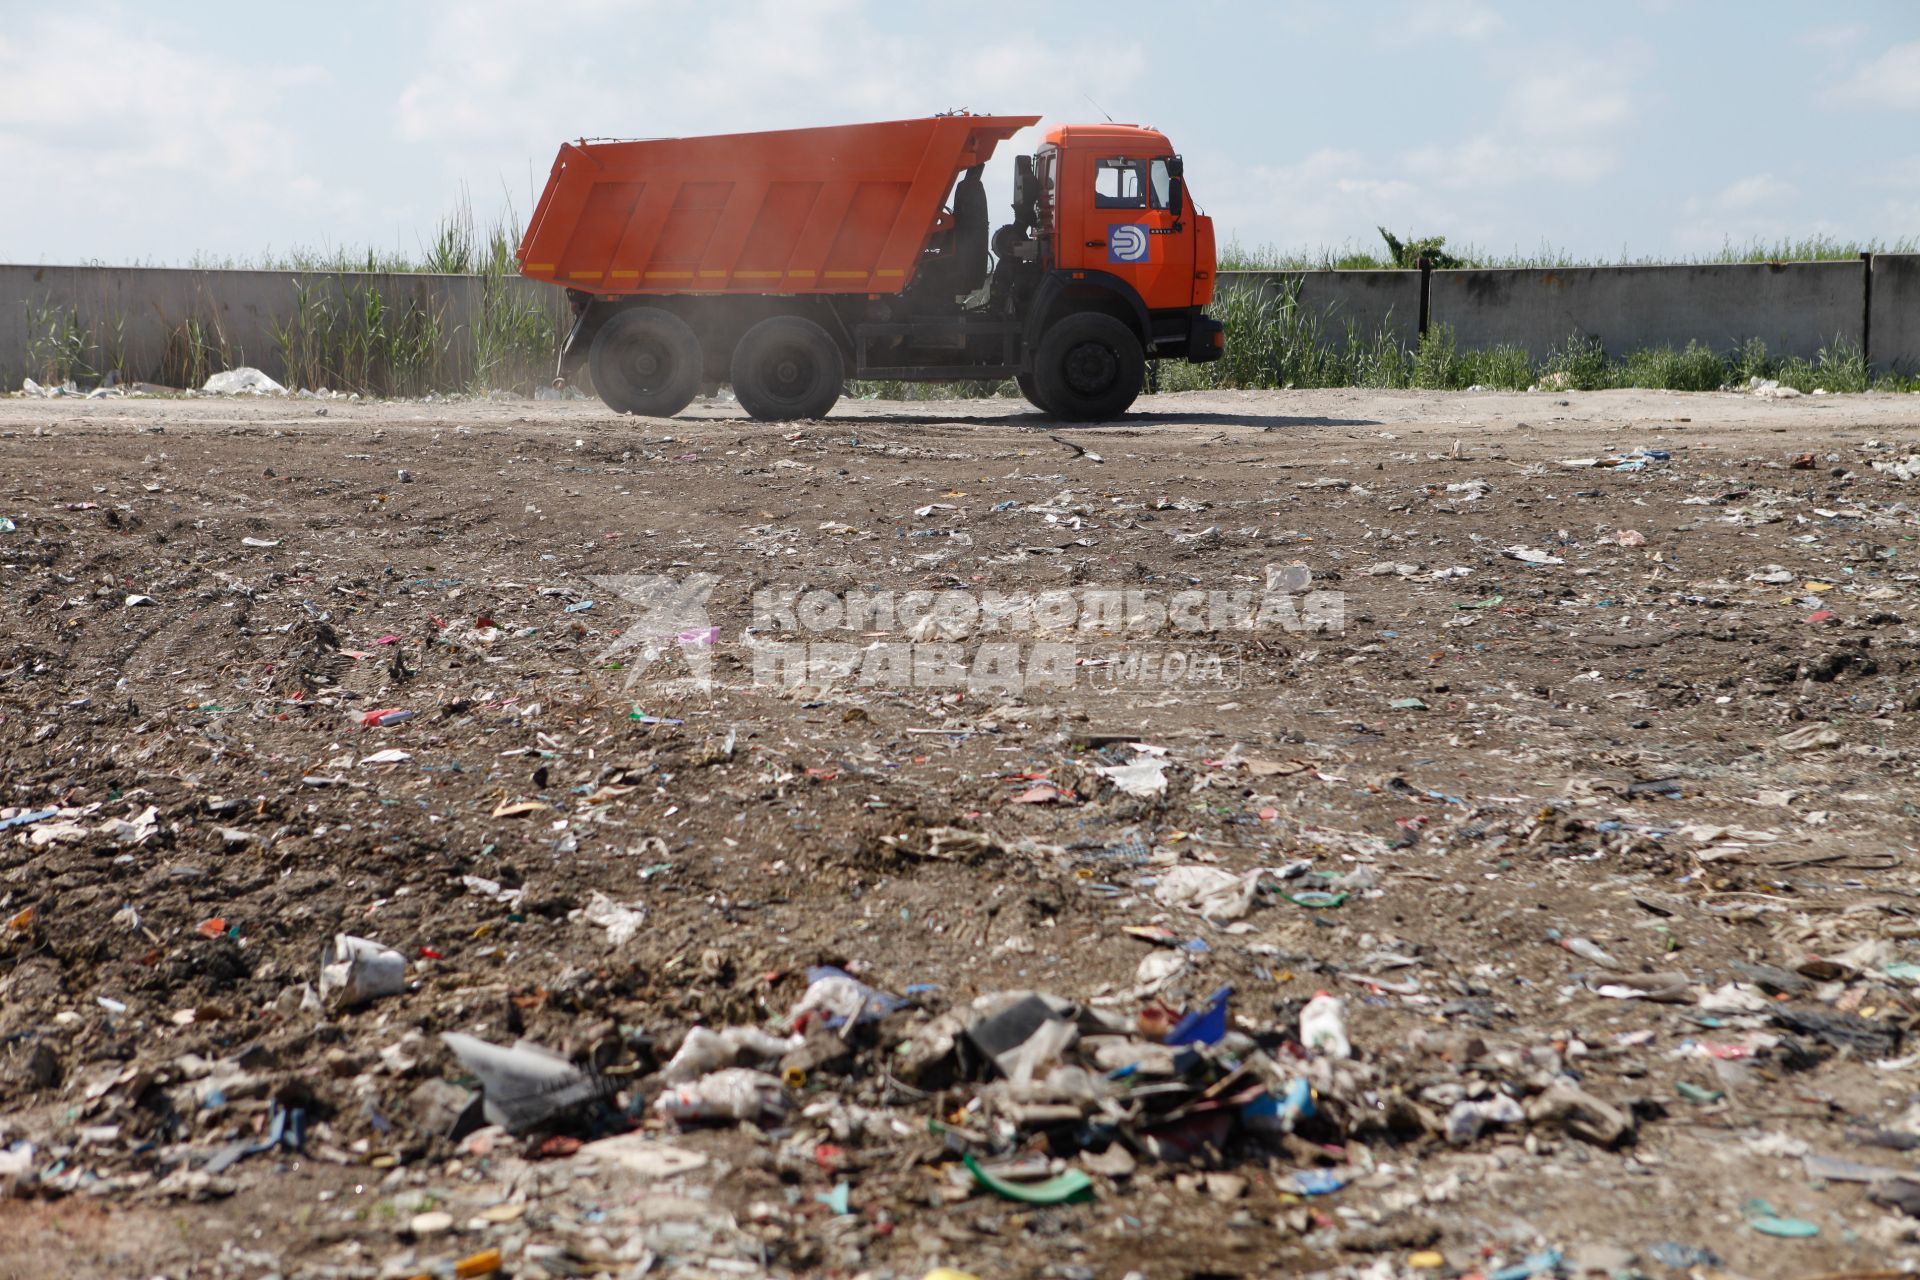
<point>1322,1182</point>
<point>22,819</point>
<point>1205,1025</point>
<point>876,1004</point>
<point>1670,1253</point>
<point>1268,1114</point>
<point>1533,1265</point>
<point>287,1128</point>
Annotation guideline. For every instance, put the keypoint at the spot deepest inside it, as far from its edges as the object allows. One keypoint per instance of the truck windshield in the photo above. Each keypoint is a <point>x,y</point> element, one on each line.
<point>1162,184</point>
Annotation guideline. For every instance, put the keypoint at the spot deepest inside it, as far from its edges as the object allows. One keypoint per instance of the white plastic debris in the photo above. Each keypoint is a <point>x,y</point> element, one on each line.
<point>245,380</point>
<point>1144,777</point>
<point>1212,892</point>
<point>1323,1026</point>
<point>1467,1119</point>
<point>705,1051</point>
<point>619,920</point>
<point>526,1084</point>
<point>355,971</point>
<point>733,1094</point>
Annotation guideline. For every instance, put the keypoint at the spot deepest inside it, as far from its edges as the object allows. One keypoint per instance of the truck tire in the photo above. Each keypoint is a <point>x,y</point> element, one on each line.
<point>1031,390</point>
<point>1089,367</point>
<point>645,361</point>
<point>787,367</point>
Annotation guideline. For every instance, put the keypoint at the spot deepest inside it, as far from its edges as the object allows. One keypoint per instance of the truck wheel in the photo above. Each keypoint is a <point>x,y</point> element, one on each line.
<point>1031,390</point>
<point>646,361</point>
<point>787,367</point>
<point>1089,367</point>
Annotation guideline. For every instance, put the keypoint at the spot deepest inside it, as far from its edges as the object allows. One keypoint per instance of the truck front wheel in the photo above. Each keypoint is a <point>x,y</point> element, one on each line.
<point>1089,367</point>
<point>1031,390</point>
<point>787,367</point>
<point>646,361</point>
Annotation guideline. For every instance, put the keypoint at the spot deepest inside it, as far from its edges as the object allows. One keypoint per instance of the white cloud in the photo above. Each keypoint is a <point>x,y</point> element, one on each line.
<point>1839,37</point>
<point>1904,172</point>
<point>1573,97</point>
<point>1488,160</point>
<point>1326,199</point>
<point>140,106</point>
<point>133,137</point>
<point>1757,208</point>
<point>1751,192</point>
<point>1558,121</point>
<point>1891,80</point>
<point>1428,21</point>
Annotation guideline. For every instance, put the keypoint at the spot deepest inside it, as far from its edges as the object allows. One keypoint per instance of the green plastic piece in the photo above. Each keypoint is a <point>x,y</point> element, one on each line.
<point>1071,1186</point>
<point>1762,1218</point>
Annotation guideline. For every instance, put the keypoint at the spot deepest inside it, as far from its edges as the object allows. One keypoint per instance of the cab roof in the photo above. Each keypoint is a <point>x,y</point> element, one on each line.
<point>1127,136</point>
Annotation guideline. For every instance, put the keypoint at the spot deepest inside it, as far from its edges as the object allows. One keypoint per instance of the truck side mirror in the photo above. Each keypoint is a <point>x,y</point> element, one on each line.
<point>1177,196</point>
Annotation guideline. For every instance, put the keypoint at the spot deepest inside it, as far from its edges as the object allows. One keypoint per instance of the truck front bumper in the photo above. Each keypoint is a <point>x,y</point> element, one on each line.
<point>1206,339</point>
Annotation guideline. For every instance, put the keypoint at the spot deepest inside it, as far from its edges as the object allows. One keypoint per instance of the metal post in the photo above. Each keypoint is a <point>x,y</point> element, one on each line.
<point>1426,285</point>
<point>1866,309</point>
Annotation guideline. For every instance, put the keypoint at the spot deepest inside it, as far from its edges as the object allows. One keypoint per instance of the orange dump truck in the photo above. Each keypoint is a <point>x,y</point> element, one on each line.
<point>787,262</point>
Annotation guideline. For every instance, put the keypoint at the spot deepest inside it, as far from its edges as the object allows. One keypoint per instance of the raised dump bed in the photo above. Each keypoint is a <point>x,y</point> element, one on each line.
<point>846,209</point>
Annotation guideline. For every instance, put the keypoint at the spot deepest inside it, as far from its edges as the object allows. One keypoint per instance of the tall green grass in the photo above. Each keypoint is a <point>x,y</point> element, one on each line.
<point>1273,343</point>
<point>348,334</point>
<point>341,329</point>
<point>1356,257</point>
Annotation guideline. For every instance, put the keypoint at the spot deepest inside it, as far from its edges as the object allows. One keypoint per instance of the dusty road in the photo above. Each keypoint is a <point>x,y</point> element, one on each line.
<point>1464,703</point>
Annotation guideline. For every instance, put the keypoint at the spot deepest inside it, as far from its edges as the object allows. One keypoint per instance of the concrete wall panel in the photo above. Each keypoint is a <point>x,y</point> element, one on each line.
<point>1896,313</point>
<point>1795,308</point>
<point>1370,300</point>
<point>139,317</point>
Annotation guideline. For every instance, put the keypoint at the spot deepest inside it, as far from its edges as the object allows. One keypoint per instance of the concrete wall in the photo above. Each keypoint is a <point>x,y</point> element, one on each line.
<point>1372,300</point>
<point>1896,313</point>
<point>1795,308</point>
<point>141,314</point>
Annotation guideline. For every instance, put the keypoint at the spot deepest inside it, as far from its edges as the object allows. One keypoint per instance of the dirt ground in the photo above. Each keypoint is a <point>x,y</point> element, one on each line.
<point>1664,710</point>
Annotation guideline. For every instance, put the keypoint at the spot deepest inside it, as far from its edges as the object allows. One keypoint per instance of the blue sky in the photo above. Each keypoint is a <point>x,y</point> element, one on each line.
<point>1650,128</point>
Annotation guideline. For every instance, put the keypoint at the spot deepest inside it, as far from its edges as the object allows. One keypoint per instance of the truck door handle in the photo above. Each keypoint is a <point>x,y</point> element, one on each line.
<point>1096,244</point>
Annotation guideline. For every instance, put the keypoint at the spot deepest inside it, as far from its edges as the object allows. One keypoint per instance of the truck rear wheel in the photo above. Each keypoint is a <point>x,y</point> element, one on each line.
<point>646,361</point>
<point>1089,367</point>
<point>787,367</point>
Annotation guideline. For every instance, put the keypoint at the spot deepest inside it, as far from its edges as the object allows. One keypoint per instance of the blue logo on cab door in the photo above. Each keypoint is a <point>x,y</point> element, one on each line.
<point>1127,242</point>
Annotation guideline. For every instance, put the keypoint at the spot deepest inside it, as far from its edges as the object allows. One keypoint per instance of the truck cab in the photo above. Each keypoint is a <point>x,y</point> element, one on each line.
<point>1114,200</point>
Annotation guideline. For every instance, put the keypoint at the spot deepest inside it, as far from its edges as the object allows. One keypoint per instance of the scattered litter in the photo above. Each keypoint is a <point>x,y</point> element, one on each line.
<point>1066,1188</point>
<point>1146,776</point>
<point>525,1086</point>
<point>242,381</point>
<point>354,971</point>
